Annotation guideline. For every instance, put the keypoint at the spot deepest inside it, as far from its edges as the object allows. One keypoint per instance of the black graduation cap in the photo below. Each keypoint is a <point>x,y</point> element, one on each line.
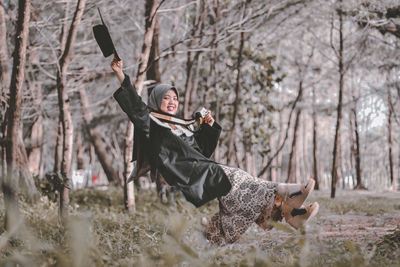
<point>103,38</point>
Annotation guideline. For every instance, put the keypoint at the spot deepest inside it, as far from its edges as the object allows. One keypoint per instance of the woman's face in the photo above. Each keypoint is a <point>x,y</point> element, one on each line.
<point>170,102</point>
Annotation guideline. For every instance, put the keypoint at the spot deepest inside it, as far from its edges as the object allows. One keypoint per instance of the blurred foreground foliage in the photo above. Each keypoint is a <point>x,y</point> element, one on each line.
<point>100,233</point>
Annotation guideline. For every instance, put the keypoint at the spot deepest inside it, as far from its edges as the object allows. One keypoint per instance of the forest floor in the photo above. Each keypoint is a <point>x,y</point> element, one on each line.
<point>357,228</point>
<point>364,218</point>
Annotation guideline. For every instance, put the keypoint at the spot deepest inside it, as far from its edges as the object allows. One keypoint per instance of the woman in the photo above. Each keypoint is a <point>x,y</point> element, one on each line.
<point>182,158</point>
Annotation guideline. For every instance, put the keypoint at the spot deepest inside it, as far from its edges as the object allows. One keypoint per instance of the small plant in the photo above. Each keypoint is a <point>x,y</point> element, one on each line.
<point>51,184</point>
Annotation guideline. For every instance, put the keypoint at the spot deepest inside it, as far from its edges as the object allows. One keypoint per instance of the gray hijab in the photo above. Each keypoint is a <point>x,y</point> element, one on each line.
<point>157,95</point>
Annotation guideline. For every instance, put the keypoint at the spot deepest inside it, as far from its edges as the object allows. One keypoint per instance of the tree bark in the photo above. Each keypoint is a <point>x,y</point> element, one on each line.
<point>14,127</point>
<point>336,144</point>
<point>65,113</point>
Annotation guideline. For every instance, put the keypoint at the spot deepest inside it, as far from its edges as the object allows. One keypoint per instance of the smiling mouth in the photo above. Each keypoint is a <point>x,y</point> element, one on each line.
<point>171,108</point>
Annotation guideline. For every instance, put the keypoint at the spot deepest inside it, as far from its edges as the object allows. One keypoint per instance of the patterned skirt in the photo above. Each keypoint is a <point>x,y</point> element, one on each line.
<point>250,200</point>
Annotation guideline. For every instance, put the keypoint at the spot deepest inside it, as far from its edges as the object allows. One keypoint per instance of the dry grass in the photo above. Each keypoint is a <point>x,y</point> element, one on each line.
<point>100,233</point>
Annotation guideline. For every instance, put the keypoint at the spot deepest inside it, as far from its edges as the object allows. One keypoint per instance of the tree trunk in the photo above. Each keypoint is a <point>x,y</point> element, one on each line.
<point>298,168</point>
<point>342,169</point>
<point>217,153</point>
<point>248,159</point>
<point>189,64</point>
<point>92,154</point>
<point>64,28</point>
<point>80,149</point>
<point>360,184</point>
<point>282,143</point>
<point>239,160</point>
<point>129,193</point>
<point>211,77</point>
<point>36,131</point>
<point>21,162</point>
<point>195,83</point>
<point>273,169</point>
<point>336,143</point>
<point>153,74</point>
<point>4,59</point>
<point>96,140</point>
<point>65,119</point>
<point>390,142</point>
<point>190,83</point>
<point>315,144</point>
<point>14,127</point>
<point>4,83</point>
<point>199,55</point>
<point>58,149</point>
<point>232,137</point>
<point>151,7</point>
<point>305,161</point>
<point>292,158</point>
<point>352,149</point>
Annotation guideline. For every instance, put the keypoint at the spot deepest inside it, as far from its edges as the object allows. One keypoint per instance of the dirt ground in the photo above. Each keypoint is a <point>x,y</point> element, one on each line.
<point>359,228</point>
<point>378,215</point>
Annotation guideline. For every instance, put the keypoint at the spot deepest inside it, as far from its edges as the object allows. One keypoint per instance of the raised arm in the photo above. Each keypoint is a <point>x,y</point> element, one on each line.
<point>117,68</point>
<point>128,99</point>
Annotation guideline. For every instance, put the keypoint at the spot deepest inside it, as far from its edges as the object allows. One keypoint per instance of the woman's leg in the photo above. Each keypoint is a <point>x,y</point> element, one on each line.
<point>297,217</point>
<point>214,232</point>
<point>294,195</point>
<point>293,216</point>
<point>240,207</point>
<point>265,218</point>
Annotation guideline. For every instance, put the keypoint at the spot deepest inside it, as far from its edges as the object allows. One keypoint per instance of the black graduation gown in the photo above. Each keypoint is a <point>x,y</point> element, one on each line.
<point>183,161</point>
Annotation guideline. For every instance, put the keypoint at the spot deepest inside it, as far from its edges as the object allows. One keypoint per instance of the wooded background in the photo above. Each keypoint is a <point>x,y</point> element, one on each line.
<point>301,88</point>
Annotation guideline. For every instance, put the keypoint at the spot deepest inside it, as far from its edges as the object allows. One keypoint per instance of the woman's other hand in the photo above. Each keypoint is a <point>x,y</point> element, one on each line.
<point>117,68</point>
<point>208,118</point>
